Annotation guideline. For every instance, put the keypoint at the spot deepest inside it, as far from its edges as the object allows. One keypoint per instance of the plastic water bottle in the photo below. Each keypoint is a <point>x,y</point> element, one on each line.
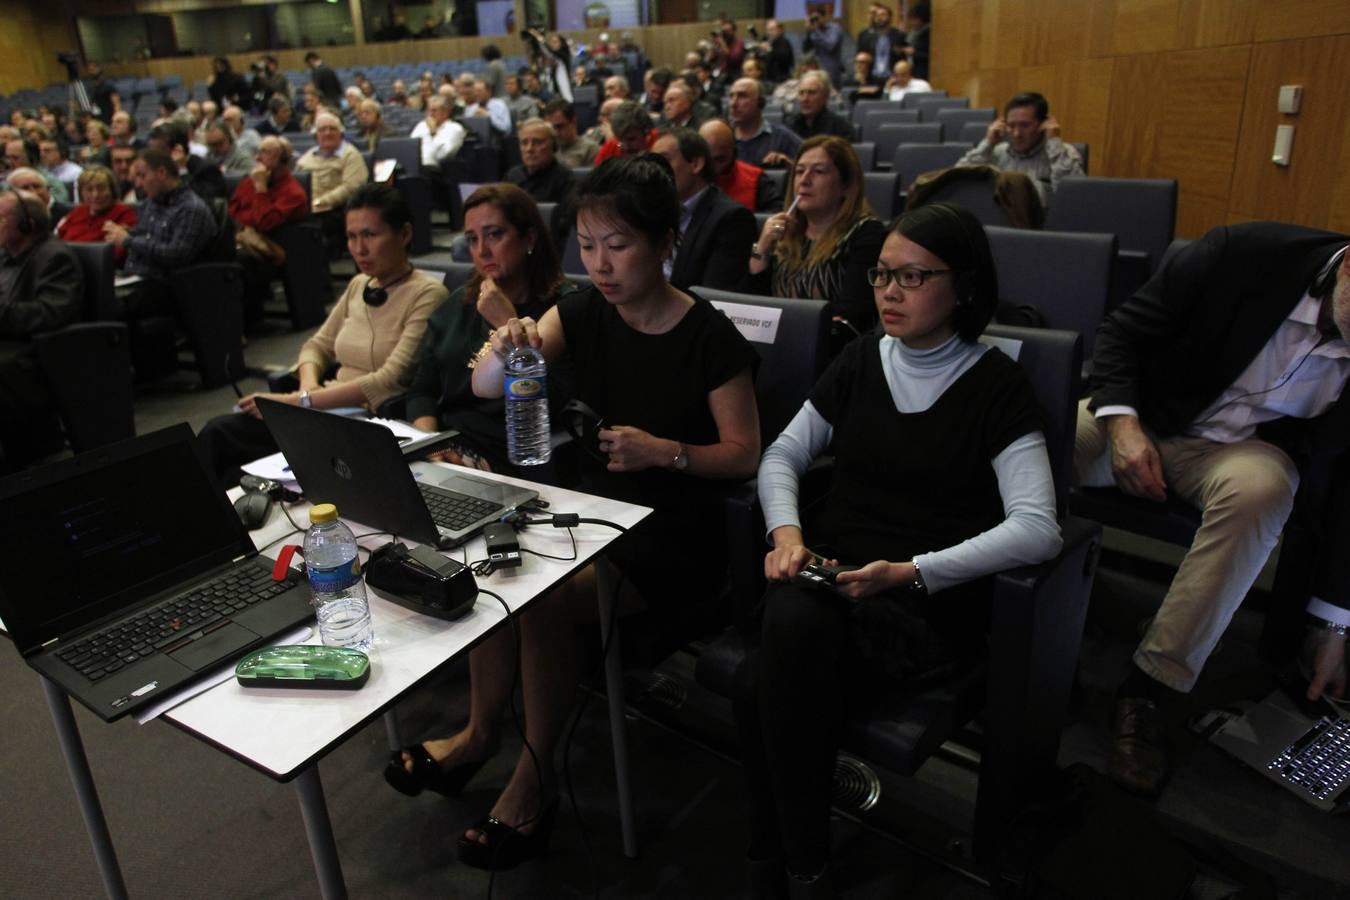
<point>526,408</point>
<point>334,571</point>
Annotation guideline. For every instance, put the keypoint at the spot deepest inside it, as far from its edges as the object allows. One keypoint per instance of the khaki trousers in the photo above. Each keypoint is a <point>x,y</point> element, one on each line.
<point>1245,491</point>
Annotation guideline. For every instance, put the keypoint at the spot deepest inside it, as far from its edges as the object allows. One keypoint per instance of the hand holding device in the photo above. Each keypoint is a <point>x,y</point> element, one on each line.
<point>1050,127</point>
<point>997,131</point>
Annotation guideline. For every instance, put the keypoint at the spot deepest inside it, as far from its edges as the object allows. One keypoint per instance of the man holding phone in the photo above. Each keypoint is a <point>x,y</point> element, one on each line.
<point>1026,139</point>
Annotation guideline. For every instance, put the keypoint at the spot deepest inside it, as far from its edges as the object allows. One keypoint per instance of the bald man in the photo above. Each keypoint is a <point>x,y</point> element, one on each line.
<point>742,182</point>
<point>758,142</point>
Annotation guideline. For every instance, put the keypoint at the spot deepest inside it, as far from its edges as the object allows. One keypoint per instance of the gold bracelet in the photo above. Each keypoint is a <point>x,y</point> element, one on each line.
<point>480,354</point>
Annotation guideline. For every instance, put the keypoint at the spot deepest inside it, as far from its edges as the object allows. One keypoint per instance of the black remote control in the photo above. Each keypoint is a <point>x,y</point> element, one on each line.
<point>820,574</point>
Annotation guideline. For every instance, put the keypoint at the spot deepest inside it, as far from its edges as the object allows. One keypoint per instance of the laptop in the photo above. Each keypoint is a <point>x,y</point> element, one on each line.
<point>129,573</point>
<point>359,467</point>
<point>1307,756</point>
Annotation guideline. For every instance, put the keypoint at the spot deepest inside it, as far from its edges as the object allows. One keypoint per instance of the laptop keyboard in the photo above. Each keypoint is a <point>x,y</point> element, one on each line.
<point>160,626</point>
<point>1320,761</point>
<point>456,511</point>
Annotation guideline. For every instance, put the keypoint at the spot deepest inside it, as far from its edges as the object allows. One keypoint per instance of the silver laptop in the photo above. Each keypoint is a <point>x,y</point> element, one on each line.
<point>359,466</point>
<point>1309,757</point>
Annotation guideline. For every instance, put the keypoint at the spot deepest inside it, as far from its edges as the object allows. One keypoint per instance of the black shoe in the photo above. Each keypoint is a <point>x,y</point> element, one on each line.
<point>507,847</point>
<point>1139,758</point>
<point>427,774</point>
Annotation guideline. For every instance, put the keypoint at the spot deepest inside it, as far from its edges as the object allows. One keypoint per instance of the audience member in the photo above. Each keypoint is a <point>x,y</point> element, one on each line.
<point>516,274</point>
<point>903,82</point>
<point>917,18</point>
<point>521,105</point>
<point>441,137</point>
<point>336,171</point>
<point>966,492</point>
<point>758,142</point>
<point>540,174</point>
<point>753,69</point>
<point>573,151</point>
<point>324,79</point>
<point>823,248</point>
<point>825,38</point>
<point>633,132</point>
<point>247,139</point>
<point>227,87</point>
<point>616,86</point>
<point>494,72</point>
<point>224,153</point>
<point>204,178</point>
<point>41,289</point>
<point>780,55</point>
<point>53,153</point>
<point>1026,139</point>
<point>370,125</point>
<point>371,335</point>
<point>485,105</point>
<point>398,93</point>
<point>311,104</point>
<point>123,130</point>
<point>813,117</point>
<point>654,84</point>
<point>603,129</point>
<point>1259,430</point>
<point>23,154</point>
<point>279,118</point>
<point>268,82</point>
<point>267,199</point>
<point>866,85</point>
<point>99,203</point>
<point>120,160</point>
<point>98,138</point>
<point>664,448</point>
<point>742,182</point>
<point>882,41</point>
<point>678,107</point>
<point>714,228</point>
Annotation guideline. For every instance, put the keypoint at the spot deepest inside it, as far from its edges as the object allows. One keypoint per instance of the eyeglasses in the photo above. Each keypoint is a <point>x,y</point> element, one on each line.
<point>908,277</point>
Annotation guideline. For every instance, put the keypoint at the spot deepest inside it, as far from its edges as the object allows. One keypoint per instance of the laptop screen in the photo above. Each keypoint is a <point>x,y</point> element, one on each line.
<point>102,534</point>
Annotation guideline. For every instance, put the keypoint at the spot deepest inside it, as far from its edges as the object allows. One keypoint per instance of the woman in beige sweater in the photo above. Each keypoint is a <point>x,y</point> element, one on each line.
<point>371,336</point>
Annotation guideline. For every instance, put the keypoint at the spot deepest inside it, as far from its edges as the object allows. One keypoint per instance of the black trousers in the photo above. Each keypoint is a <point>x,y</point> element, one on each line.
<point>231,440</point>
<point>28,427</point>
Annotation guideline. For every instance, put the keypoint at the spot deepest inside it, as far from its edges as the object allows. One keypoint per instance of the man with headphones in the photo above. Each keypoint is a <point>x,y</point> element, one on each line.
<point>758,142</point>
<point>1222,381</point>
<point>41,289</point>
<point>1026,139</point>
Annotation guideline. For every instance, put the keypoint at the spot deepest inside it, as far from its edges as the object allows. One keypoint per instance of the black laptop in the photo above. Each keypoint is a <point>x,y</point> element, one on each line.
<point>359,466</point>
<point>128,573</point>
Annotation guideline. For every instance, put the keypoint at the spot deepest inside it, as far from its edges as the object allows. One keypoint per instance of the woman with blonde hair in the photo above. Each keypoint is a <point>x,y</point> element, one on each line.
<point>97,192</point>
<point>822,244</point>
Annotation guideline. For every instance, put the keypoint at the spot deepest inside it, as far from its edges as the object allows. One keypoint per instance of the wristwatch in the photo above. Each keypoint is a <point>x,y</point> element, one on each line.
<point>917,586</point>
<point>681,460</point>
<point>305,402</point>
<point>1322,624</point>
<point>755,254</point>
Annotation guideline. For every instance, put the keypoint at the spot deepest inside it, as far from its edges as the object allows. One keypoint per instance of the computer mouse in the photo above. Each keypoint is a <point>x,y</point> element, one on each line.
<point>253,509</point>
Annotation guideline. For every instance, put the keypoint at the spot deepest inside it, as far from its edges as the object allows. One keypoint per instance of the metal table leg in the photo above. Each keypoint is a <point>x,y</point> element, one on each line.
<point>72,748</point>
<point>391,731</point>
<point>319,830</point>
<point>606,585</point>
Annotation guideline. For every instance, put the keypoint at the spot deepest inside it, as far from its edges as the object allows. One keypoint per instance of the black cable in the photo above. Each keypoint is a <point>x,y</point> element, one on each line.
<point>571,558</point>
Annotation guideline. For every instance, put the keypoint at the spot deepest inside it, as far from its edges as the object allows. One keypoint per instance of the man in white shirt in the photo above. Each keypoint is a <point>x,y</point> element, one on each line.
<point>902,82</point>
<point>1223,382</point>
<point>484,104</point>
<point>52,153</point>
<point>441,138</point>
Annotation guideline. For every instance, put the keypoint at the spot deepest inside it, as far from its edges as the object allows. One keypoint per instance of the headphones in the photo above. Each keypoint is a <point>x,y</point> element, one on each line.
<point>25,225</point>
<point>375,295</point>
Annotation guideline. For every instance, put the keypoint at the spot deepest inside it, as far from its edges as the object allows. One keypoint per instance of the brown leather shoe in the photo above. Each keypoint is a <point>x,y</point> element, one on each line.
<point>1139,759</point>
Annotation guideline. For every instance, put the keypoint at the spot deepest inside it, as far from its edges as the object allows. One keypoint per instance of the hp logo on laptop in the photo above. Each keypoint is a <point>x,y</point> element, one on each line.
<point>343,470</point>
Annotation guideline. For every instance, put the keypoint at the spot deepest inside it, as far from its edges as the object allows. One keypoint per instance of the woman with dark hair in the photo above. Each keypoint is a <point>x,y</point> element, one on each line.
<point>517,274</point>
<point>671,379</point>
<point>940,479</point>
<point>371,336</point>
<point>826,238</point>
<point>226,84</point>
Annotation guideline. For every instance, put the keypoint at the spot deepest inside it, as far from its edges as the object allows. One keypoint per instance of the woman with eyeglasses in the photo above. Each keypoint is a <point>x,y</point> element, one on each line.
<point>516,274</point>
<point>822,243</point>
<point>940,480</point>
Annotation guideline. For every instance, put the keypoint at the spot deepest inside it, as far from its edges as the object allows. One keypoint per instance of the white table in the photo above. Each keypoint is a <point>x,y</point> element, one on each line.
<point>284,734</point>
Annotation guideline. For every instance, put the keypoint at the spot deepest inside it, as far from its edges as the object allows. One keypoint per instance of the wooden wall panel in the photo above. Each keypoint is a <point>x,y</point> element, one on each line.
<point>1301,192</point>
<point>29,38</point>
<point>1279,20</point>
<point>1216,23</point>
<point>1201,118</point>
<point>1120,27</point>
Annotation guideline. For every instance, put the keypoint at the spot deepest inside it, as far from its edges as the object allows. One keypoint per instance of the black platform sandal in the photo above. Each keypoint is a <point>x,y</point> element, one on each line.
<point>507,847</point>
<point>427,774</point>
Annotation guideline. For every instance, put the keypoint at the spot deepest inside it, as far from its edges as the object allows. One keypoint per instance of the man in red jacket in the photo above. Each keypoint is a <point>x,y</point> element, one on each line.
<point>742,182</point>
<point>264,201</point>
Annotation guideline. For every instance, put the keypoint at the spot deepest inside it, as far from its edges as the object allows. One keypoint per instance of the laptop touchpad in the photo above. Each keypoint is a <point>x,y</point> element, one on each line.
<point>214,648</point>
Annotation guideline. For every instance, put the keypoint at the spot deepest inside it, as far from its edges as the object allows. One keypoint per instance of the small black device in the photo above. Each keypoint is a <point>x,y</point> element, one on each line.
<point>502,547</point>
<point>821,575</point>
<point>253,508</point>
<point>420,579</point>
<point>253,484</point>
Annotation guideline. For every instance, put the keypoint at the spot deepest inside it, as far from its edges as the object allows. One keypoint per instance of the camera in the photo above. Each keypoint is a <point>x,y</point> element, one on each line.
<point>67,57</point>
<point>753,32</point>
<point>257,66</point>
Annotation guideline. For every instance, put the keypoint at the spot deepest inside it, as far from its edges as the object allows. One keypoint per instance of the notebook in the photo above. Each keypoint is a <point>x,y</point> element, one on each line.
<point>130,573</point>
<point>359,467</point>
<point>1307,756</point>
